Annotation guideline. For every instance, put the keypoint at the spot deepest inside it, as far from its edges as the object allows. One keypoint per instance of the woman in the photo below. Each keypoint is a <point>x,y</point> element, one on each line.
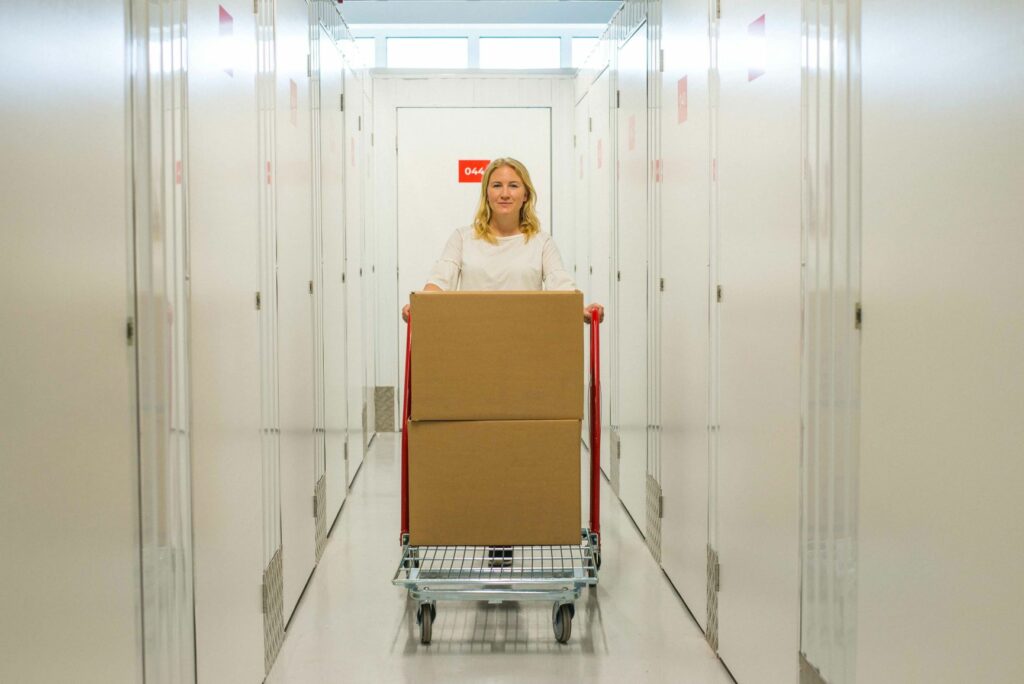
<point>504,248</point>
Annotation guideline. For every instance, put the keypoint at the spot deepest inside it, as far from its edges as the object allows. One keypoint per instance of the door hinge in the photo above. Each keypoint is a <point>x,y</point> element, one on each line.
<point>618,99</point>
<point>310,287</point>
<point>661,285</point>
<point>590,124</point>
<point>259,301</point>
<point>309,66</point>
<point>618,276</point>
<point>858,316</point>
<point>718,576</point>
<point>661,59</point>
<point>591,270</point>
<point>346,450</point>
<point>718,294</point>
<point>263,598</point>
<point>314,505</point>
<point>360,120</point>
<point>130,331</point>
<point>341,102</point>
<point>342,278</point>
<point>574,141</point>
<point>661,506</point>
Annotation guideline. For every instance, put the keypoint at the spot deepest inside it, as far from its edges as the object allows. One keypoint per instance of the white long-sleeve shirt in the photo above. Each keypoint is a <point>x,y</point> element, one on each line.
<point>469,263</point>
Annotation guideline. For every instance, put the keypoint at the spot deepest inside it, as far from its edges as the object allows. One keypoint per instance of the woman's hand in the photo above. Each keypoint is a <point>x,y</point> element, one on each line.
<point>596,308</point>
<point>429,287</point>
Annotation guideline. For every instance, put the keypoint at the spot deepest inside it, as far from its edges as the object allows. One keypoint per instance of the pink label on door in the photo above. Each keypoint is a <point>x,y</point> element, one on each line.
<point>757,49</point>
<point>227,30</point>
<point>682,100</point>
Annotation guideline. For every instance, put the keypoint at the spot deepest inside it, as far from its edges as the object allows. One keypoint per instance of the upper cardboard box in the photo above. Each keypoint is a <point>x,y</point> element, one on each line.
<point>497,355</point>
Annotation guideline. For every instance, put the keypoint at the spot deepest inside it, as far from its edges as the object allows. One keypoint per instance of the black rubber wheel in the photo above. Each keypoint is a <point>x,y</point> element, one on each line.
<point>425,616</point>
<point>561,621</point>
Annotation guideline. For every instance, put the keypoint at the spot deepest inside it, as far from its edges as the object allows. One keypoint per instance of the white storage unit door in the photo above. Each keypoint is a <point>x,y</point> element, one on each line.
<point>759,223</point>
<point>685,300</point>
<point>601,195</point>
<point>295,315</point>
<point>355,170</point>
<point>630,315</point>
<point>224,265</point>
<point>332,179</point>
<point>432,202</point>
<point>70,486</point>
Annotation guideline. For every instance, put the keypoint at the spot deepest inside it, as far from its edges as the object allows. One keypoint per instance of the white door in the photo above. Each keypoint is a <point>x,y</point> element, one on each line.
<point>332,178</point>
<point>432,199</point>
<point>630,315</point>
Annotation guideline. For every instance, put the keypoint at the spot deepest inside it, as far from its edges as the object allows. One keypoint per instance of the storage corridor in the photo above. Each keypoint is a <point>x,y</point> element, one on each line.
<point>352,624</point>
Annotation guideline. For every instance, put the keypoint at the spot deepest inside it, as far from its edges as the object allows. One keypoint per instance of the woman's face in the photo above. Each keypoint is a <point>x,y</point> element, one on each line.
<point>506,192</point>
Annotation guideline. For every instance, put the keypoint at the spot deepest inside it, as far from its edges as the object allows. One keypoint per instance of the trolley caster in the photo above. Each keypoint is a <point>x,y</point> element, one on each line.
<point>561,621</point>
<point>425,615</point>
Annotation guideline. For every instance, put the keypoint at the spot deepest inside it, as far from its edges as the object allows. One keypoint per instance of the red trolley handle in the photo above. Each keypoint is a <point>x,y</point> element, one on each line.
<point>595,422</point>
<point>406,410</point>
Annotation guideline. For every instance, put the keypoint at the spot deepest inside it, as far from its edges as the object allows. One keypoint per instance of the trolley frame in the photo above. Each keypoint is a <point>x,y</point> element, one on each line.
<point>524,573</point>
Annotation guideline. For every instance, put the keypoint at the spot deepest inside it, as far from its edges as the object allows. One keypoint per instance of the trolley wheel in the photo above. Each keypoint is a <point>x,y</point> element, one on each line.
<point>561,621</point>
<point>425,615</point>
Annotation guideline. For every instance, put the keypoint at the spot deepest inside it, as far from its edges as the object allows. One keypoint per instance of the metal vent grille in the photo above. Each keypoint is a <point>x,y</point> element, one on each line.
<point>273,611</point>
<point>653,537</point>
<point>809,674</point>
<point>616,457</point>
<point>384,409</point>
<point>320,511</point>
<point>713,584</point>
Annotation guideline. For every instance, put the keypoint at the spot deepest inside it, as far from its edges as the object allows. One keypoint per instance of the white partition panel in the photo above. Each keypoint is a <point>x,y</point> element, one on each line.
<point>332,189</point>
<point>629,316</point>
<point>941,543</point>
<point>355,375</point>
<point>70,577</point>
<point>224,250</point>
<point>295,313</point>
<point>685,200</point>
<point>759,207</point>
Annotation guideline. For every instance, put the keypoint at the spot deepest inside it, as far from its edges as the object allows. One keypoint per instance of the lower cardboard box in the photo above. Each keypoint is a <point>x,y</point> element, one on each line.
<point>508,482</point>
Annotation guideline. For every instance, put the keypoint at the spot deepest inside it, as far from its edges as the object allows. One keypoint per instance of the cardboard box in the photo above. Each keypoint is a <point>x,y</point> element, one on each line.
<point>497,355</point>
<point>494,482</point>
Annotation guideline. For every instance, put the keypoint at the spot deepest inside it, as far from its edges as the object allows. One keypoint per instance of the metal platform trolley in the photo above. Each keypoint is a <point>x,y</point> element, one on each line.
<point>527,573</point>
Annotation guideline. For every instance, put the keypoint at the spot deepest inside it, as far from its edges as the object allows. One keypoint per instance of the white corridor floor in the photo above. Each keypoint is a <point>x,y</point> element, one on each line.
<point>352,625</point>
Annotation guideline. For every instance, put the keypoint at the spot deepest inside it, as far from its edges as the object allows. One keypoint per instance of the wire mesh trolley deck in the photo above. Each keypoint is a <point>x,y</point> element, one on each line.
<point>506,573</point>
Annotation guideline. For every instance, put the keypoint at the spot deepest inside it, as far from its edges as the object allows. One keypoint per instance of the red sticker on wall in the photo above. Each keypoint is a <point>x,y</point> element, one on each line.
<point>472,170</point>
<point>757,45</point>
<point>177,172</point>
<point>682,100</point>
<point>227,30</point>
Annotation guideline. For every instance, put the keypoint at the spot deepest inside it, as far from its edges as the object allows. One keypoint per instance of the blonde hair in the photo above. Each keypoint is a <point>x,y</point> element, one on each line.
<point>529,224</point>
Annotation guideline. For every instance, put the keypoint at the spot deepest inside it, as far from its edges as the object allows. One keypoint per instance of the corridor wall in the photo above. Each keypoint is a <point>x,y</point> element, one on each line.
<point>816,485</point>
